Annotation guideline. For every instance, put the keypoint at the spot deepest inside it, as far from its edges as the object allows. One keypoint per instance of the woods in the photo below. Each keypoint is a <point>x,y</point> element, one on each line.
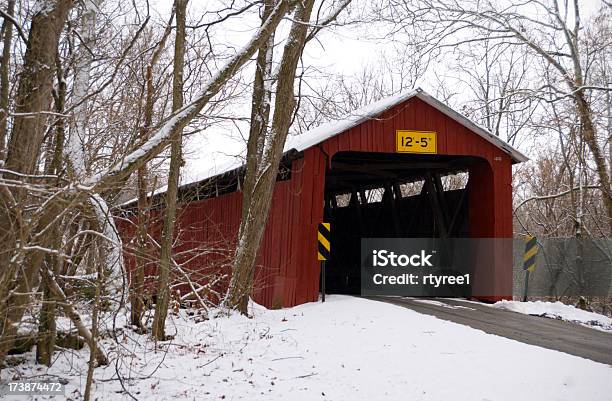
<point>105,105</point>
<point>568,56</point>
<point>68,195</point>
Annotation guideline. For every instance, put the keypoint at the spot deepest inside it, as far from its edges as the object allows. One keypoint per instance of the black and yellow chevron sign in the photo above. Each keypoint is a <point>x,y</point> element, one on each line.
<point>531,251</point>
<point>324,237</point>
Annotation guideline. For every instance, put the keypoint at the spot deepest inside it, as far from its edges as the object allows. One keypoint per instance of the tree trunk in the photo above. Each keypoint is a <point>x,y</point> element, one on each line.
<point>138,291</point>
<point>27,135</point>
<point>47,328</point>
<point>260,115</point>
<point>94,325</point>
<point>254,222</point>
<point>34,89</point>
<point>588,133</point>
<point>74,316</point>
<point>82,76</point>
<point>163,284</point>
<point>7,37</point>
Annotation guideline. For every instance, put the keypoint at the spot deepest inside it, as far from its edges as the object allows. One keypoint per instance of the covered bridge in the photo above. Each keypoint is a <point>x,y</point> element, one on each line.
<point>378,173</point>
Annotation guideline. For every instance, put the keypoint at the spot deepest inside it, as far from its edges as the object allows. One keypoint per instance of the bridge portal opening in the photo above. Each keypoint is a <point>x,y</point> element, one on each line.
<point>391,195</point>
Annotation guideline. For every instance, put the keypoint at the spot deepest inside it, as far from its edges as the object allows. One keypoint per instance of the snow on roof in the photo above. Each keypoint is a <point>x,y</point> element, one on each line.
<point>328,130</point>
<point>333,128</point>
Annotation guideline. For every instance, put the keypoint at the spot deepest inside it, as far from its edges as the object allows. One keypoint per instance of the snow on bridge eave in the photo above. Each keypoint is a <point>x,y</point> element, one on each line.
<point>328,130</point>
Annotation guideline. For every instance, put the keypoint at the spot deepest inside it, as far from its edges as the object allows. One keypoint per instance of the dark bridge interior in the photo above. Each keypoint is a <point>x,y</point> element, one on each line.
<point>390,195</point>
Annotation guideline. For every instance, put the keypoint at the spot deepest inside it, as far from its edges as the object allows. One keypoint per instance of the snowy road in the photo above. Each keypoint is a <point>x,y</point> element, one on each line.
<point>553,334</point>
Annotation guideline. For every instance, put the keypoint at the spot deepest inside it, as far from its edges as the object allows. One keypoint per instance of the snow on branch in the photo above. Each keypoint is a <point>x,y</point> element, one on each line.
<point>161,137</point>
<point>113,254</point>
<point>327,20</point>
<point>557,195</point>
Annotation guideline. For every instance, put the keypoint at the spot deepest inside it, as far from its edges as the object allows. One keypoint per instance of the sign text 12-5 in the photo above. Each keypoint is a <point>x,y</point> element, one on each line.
<point>415,142</point>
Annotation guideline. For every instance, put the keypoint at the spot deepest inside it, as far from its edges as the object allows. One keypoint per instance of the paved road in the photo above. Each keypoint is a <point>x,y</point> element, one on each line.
<point>548,333</point>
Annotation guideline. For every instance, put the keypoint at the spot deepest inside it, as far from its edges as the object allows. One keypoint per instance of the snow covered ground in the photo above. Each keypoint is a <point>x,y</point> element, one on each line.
<point>558,310</point>
<point>345,349</point>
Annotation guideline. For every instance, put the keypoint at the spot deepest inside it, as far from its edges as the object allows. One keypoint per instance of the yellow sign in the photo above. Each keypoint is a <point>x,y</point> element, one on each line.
<point>415,142</point>
<point>531,251</point>
<point>324,237</point>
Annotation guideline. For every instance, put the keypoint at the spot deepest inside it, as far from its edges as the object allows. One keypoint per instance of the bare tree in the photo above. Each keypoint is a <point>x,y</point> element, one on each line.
<point>552,32</point>
<point>161,307</point>
<point>26,139</point>
<point>260,115</point>
<point>33,204</point>
<point>337,95</point>
<point>143,218</point>
<point>496,76</point>
<point>7,37</point>
<point>262,178</point>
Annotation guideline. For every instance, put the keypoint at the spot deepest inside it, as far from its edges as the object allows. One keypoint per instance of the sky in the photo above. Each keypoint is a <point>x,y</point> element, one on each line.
<point>343,50</point>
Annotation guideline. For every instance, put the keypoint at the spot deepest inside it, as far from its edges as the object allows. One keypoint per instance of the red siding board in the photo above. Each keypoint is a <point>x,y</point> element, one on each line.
<point>304,292</point>
<point>410,115</point>
<point>389,128</point>
<point>438,125</point>
<point>451,139</point>
<point>368,135</point>
<point>355,138</point>
<point>419,117</point>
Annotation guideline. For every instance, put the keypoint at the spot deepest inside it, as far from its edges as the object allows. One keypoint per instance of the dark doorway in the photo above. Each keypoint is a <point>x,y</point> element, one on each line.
<point>388,195</point>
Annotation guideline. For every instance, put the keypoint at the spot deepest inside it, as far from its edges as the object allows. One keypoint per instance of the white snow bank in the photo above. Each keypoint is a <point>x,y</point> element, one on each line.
<point>558,310</point>
<point>345,349</point>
